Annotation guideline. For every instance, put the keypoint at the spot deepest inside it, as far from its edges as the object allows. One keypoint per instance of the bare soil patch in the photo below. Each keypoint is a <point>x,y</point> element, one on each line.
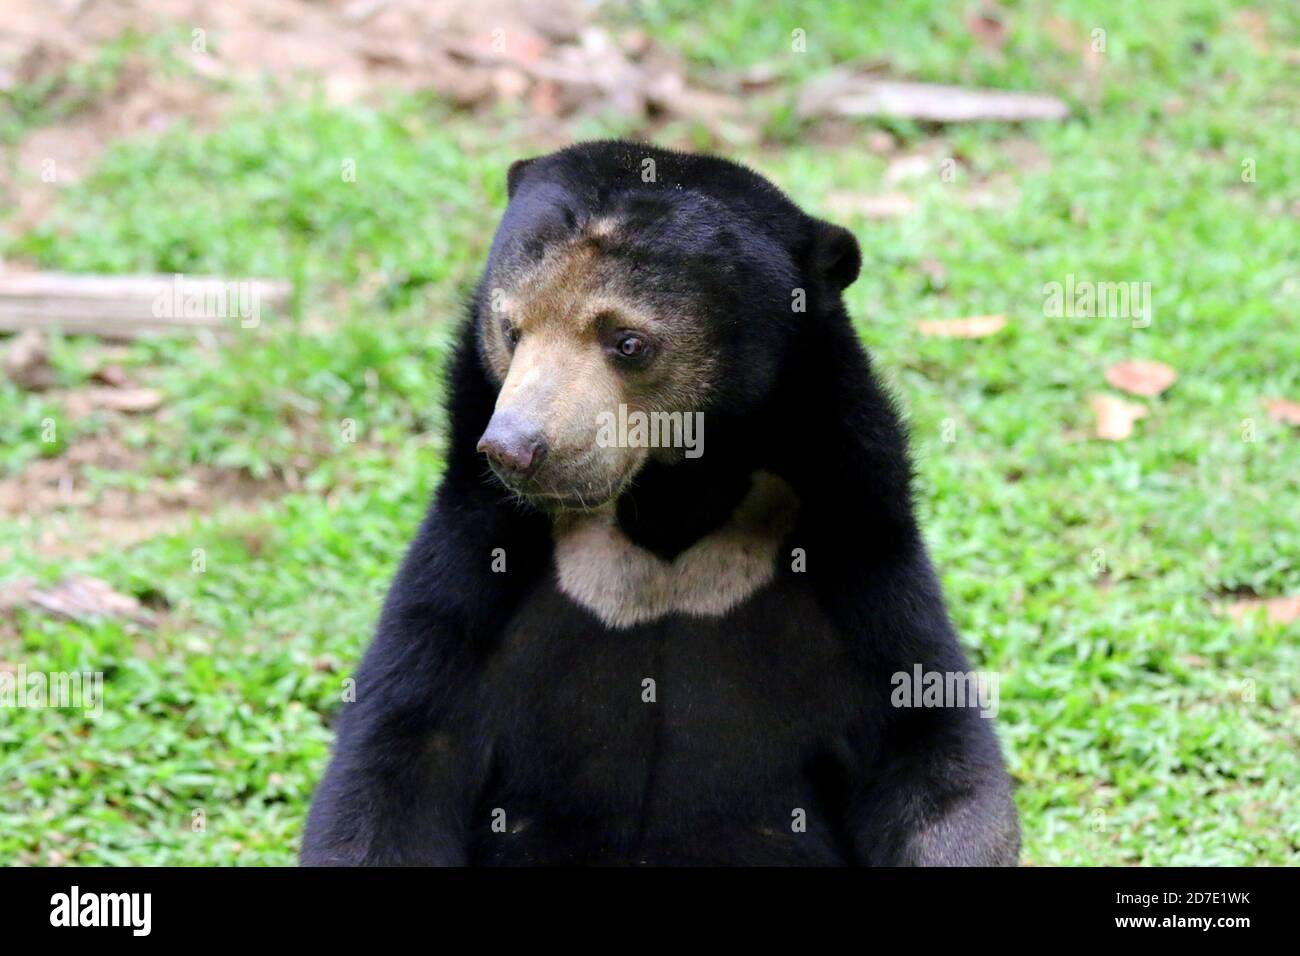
<point>70,513</point>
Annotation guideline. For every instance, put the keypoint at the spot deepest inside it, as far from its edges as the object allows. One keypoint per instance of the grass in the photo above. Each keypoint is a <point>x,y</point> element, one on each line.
<point>1141,725</point>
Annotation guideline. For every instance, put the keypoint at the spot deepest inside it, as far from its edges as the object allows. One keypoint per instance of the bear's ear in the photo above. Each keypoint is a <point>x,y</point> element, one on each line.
<point>835,257</point>
<point>515,174</point>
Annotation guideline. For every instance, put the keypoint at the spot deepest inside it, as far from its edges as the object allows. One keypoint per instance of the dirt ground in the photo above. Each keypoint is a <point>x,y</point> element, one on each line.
<point>537,52</point>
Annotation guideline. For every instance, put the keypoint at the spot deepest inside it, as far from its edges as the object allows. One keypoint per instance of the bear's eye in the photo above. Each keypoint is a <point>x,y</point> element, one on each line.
<point>510,332</point>
<point>631,347</point>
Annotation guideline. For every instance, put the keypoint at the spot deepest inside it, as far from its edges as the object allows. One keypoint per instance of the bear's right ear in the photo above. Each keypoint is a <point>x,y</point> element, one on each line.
<point>515,174</point>
<point>835,256</point>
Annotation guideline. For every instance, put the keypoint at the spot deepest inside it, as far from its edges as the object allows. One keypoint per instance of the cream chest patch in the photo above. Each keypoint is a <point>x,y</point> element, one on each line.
<point>623,584</point>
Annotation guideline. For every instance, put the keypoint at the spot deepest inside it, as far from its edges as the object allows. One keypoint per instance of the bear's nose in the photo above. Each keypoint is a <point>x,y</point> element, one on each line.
<point>513,446</point>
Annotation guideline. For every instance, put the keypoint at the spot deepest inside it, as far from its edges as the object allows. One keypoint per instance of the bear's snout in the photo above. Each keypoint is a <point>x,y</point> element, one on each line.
<point>513,446</point>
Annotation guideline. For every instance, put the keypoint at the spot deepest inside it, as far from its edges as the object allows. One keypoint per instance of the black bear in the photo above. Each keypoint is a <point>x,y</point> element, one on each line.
<point>671,585</point>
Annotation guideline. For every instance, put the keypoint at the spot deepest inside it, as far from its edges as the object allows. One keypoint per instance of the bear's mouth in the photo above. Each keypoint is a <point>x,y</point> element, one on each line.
<point>555,501</point>
<point>559,502</point>
<point>554,498</point>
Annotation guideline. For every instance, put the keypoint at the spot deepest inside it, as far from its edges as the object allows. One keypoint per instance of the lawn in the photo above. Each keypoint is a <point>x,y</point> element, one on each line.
<point>1142,724</point>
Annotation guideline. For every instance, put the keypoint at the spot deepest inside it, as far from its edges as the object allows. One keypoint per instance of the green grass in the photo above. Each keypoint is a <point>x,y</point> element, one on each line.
<point>1141,726</point>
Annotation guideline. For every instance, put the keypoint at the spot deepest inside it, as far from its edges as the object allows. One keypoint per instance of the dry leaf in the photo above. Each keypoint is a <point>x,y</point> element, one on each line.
<point>975,327</point>
<point>510,84</point>
<point>27,361</point>
<point>545,99</point>
<point>1115,417</point>
<point>1280,610</point>
<point>82,402</point>
<point>881,142</point>
<point>1284,410</point>
<point>913,166</point>
<point>113,375</point>
<point>987,27</point>
<point>1141,377</point>
<point>75,598</point>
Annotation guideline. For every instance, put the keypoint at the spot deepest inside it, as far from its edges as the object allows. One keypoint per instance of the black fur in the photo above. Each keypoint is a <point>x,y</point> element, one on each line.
<point>486,690</point>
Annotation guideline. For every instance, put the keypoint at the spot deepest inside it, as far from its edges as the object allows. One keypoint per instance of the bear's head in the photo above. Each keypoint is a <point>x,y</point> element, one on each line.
<point>630,293</point>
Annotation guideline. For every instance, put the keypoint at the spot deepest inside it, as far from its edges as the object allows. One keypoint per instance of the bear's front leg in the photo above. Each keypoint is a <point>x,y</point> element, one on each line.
<point>399,784</point>
<point>393,792</point>
<point>942,798</point>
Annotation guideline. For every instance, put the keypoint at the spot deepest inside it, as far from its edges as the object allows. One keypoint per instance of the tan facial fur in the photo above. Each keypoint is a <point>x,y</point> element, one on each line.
<point>623,584</point>
<point>560,377</point>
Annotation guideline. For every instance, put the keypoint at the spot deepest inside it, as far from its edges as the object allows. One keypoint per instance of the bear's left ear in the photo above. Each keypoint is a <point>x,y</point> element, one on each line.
<point>834,256</point>
<point>515,174</point>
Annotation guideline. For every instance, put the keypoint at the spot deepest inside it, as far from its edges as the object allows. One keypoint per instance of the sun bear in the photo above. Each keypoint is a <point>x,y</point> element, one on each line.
<point>659,607</point>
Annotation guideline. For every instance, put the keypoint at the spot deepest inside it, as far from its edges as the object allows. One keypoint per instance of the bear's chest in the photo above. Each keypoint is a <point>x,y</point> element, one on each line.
<point>631,695</point>
<point>725,720</point>
<point>657,655</point>
<point>757,673</point>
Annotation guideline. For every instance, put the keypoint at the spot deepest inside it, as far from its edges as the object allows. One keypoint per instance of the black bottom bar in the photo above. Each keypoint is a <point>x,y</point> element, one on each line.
<point>211,906</point>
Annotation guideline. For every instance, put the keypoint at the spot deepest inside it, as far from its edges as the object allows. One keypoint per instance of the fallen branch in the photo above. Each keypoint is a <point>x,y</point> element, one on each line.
<point>845,94</point>
<point>125,307</point>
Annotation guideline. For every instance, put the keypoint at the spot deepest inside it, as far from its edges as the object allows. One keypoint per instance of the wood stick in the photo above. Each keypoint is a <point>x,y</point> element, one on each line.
<point>128,306</point>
